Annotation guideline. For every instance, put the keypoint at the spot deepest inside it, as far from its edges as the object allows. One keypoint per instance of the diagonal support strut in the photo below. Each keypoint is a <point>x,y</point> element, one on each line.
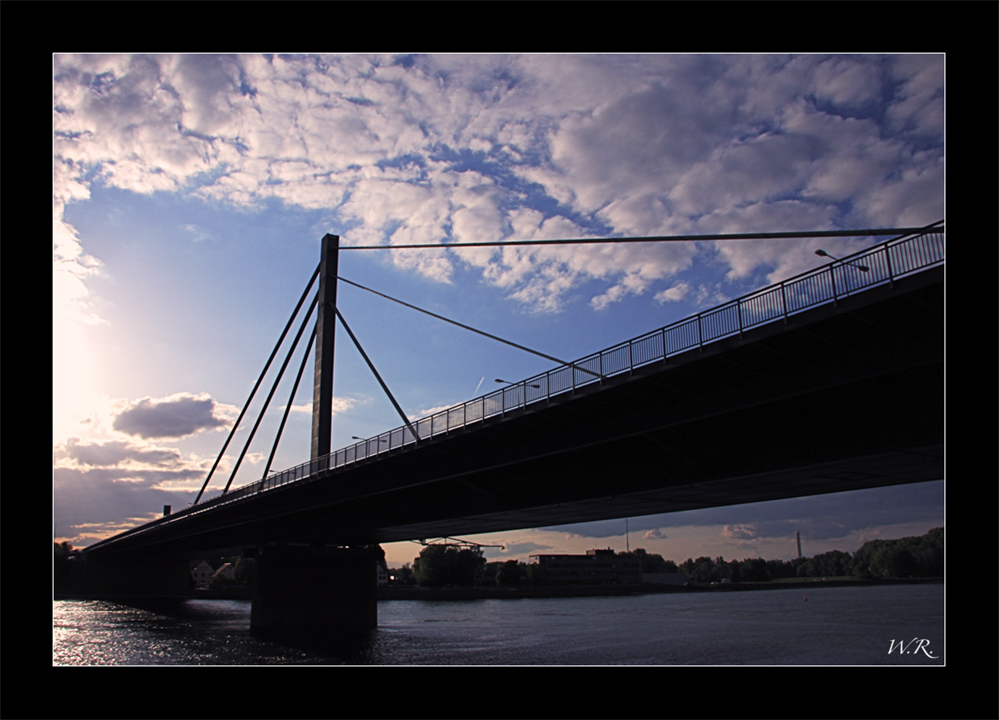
<point>378,377</point>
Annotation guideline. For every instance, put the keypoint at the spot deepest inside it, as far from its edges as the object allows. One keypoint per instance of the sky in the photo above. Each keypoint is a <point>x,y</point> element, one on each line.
<point>191,194</point>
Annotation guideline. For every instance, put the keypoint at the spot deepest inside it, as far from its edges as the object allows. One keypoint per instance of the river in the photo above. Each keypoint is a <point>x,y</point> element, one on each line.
<point>871,625</point>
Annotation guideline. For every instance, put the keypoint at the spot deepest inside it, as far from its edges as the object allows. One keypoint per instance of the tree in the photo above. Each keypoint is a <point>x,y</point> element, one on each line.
<point>535,574</point>
<point>440,565</point>
<point>704,569</point>
<point>244,570</point>
<point>60,568</point>
<point>916,556</point>
<point>753,570</point>
<point>653,562</point>
<point>777,569</point>
<point>403,575</point>
<point>899,562</point>
<point>735,571</point>
<point>508,573</point>
<point>834,563</point>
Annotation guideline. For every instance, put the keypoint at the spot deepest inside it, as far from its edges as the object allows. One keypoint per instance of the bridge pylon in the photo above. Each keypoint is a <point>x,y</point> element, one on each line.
<point>322,395</point>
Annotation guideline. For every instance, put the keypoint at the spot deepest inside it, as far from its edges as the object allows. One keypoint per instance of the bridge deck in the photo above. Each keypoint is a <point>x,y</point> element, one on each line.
<point>769,399</point>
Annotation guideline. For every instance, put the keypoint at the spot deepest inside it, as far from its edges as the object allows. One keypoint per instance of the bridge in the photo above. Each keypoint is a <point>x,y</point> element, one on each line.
<point>825,382</point>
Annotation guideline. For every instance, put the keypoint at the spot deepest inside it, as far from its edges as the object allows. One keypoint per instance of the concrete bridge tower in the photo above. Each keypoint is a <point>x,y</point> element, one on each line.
<point>306,590</point>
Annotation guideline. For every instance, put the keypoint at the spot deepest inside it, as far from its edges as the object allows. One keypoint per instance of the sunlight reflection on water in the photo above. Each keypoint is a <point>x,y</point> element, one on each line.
<point>835,626</point>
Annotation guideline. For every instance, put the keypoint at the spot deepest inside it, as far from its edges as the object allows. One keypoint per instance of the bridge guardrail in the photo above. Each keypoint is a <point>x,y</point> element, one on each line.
<point>886,262</point>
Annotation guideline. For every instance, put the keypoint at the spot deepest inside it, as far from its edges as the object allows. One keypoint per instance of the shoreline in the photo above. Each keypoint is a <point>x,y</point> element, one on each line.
<point>405,592</point>
<point>485,592</point>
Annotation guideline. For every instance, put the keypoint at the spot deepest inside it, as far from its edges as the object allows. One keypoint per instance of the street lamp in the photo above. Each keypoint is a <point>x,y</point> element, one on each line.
<point>823,253</point>
<point>536,387</point>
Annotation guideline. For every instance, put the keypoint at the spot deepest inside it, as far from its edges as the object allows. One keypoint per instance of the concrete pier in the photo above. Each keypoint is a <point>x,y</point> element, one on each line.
<point>301,589</point>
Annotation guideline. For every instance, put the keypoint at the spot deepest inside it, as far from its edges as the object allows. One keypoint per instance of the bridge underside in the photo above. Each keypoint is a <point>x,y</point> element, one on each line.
<point>840,398</point>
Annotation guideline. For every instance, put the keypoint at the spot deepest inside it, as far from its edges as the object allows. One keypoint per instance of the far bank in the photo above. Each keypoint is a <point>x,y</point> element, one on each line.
<point>410,592</point>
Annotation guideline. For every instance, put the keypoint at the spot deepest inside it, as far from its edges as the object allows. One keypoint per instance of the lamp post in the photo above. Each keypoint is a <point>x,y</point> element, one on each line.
<point>507,382</point>
<point>823,253</point>
<point>367,444</point>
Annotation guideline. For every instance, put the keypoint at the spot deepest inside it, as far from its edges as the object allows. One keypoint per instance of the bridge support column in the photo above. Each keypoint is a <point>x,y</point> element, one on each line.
<point>310,591</point>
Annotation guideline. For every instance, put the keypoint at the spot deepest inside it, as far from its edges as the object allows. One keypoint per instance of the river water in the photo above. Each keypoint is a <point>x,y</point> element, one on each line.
<point>872,625</point>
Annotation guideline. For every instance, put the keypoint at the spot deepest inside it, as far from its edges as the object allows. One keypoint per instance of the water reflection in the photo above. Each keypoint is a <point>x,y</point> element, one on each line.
<point>837,626</point>
<point>350,647</point>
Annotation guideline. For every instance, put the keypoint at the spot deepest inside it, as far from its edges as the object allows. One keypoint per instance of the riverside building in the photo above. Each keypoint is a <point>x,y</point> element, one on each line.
<point>596,567</point>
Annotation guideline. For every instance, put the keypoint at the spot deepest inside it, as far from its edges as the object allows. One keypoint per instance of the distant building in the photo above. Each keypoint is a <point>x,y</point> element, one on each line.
<point>664,578</point>
<point>596,567</point>
<point>383,574</point>
<point>202,574</point>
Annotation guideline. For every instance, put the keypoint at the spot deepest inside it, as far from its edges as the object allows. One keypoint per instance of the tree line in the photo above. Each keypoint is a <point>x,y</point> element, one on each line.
<point>920,556</point>
<point>439,565</point>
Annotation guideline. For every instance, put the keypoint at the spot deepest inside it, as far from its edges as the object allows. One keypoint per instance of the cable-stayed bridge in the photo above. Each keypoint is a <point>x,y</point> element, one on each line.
<point>828,381</point>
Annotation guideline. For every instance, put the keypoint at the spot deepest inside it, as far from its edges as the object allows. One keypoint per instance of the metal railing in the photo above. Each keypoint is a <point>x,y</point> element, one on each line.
<point>885,262</point>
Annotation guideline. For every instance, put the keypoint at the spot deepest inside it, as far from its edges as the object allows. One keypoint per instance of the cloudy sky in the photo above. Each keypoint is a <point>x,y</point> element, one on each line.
<point>191,193</point>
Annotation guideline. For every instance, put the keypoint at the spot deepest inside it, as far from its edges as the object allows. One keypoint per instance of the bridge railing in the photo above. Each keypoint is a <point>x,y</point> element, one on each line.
<point>885,263</point>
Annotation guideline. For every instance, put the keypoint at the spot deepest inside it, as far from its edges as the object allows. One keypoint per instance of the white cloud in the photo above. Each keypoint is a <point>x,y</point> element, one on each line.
<point>914,199</point>
<point>113,454</point>
<point>420,414</point>
<point>340,405</point>
<point>677,292</point>
<point>94,479</point>
<point>918,105</point>
<point>740,532</point>
<point>791,257</point>
<point>175,416</point>
<point>307,408</point>
<point>845,81</point>
<point>453,148</point>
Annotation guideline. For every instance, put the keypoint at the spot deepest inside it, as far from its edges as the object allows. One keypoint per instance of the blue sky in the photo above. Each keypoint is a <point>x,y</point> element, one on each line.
<point>191,193</point>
